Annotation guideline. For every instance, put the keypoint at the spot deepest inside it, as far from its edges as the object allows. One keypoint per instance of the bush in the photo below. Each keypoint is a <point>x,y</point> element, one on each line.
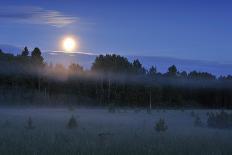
<point>149,110</point>
<point>161,126</point>
<point>222,120</point>
<point>30,124</point>
<point>198,122</point>
<point>137,110</point>
<point>124,110</point>
<point>71,108</point>
<point>72,123</point>
<point>111,108</point>
<point>192,114</point>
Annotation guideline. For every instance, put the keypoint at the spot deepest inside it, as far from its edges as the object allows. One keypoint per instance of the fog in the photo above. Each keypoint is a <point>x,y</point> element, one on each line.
<point>98,130</point>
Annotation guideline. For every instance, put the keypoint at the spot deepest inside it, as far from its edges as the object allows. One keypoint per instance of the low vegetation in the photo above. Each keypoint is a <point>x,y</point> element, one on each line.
<point>72,123</point>
<point>149,110</point>
<point>198,122</point>
<point>193,114</point>
<point>161,126</point>
<point>103,133</point>
<point>220,120</point>
<point>30,124</point>
<point>111,108</point>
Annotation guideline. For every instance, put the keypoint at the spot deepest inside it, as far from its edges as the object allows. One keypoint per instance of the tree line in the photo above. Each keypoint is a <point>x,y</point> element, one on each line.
<point>112,80</point>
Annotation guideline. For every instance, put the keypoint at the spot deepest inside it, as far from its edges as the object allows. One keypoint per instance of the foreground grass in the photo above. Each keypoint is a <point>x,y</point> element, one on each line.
<point>104,133</point>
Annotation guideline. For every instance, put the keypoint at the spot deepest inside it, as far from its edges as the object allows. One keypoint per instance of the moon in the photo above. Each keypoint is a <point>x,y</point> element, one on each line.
<point>69,44</point>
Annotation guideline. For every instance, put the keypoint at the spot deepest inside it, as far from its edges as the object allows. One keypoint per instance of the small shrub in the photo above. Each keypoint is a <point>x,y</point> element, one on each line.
<point>161,126</point>
<point>149,110</point>
<point>192,114</point>
<point>222,120</point>
<point>118,110</point>
<point>111,108</point>
<point>182,109</point>
<point>137,110</point>
<point>198,122</point>
<point>71,108</point>
<point>30,124</point>
<point>72,123</point>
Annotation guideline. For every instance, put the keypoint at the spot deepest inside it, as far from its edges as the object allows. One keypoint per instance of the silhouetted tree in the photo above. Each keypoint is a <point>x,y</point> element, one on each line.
<point>137,67</point>
<point>183,74</point>
<point>37,57</point>
<point>152,71</point>
<point>201,75</point>
<point>172,70</point>
<point>53,84</point>
<point>111,63</point>
<point>25,51</point>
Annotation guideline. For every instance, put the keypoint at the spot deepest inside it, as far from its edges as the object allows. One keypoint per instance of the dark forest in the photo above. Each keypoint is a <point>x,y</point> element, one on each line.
<point>112,80</point>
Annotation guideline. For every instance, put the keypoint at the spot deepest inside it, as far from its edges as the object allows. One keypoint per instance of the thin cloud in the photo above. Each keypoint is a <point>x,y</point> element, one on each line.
<point>79,52</point>
<point>35,15</point>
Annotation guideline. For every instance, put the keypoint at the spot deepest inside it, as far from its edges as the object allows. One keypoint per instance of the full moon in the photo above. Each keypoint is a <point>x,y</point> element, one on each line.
<point>69,44</point>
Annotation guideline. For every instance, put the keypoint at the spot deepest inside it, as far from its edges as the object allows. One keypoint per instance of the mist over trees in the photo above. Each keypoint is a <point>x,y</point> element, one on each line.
<point>112,79</point>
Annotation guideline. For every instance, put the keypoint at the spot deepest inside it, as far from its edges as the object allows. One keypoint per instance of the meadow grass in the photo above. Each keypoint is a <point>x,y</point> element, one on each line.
<point>101,132</point>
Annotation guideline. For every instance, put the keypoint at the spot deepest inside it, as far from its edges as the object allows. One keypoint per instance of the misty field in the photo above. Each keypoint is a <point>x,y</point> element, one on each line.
<point>27,131</point>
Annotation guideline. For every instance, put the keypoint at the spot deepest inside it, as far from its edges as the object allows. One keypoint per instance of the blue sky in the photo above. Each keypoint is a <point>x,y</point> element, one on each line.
<point>192,29</point>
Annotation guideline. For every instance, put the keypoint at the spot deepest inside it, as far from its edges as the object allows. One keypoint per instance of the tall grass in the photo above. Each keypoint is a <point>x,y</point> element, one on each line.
<point>106,135</point>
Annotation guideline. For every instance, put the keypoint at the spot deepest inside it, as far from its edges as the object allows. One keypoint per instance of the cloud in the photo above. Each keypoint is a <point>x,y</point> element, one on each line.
<point>35,15</point>
<point>78,52</point>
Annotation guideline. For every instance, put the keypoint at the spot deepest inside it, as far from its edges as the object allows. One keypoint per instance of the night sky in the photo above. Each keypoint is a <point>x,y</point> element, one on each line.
<point>192,29</point>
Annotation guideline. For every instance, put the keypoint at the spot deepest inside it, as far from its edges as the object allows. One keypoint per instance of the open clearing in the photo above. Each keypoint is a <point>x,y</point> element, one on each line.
<point>98,131</point>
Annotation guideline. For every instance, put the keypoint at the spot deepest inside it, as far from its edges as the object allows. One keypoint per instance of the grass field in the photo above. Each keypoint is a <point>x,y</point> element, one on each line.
<point>100,132</point>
